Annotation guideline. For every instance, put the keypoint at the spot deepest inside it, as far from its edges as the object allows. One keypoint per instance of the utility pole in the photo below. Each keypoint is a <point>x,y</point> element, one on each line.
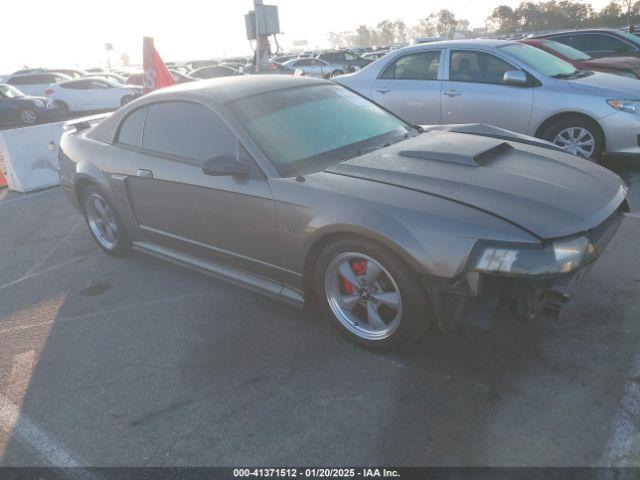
<point>262,40</point>
<point>260,23</point>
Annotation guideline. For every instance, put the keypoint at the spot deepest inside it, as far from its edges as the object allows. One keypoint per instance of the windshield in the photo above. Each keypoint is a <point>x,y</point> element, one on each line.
<point>544,62</point>
<point>10,92</point>
<point>308,128</point>
<point>567,51</point>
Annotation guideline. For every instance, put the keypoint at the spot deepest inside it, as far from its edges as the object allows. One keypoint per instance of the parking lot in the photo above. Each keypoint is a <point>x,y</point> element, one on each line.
<point>113,362</point>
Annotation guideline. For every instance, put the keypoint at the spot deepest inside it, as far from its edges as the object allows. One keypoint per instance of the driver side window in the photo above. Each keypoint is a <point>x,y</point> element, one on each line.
<point>477,67</point>
<point>596,42</point>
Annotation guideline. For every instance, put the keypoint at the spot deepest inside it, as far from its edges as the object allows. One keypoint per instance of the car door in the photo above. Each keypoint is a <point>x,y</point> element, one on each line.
<point>228,219</point>
<point>303,65</point>
<point>410,86</point>
<point>76,95</point>
<point>100,95</point>
<point>475,92</point>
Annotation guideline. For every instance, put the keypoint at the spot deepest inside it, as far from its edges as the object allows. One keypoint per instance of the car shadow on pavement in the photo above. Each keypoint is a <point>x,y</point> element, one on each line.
<point>138,362</point>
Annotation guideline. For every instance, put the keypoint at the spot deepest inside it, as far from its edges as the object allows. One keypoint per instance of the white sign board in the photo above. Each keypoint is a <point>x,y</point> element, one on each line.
<point>31,156</point>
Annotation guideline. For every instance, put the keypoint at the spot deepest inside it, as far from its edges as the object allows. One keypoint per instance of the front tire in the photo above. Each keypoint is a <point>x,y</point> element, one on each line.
<point>576,135</point>
<point>63,107</point>
<point>371,295</point>
<point>126,99</point>
<point>104,224</point>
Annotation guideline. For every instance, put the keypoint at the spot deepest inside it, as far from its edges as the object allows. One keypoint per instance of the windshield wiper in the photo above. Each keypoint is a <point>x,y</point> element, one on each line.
<point>575,74</point>
<point>363,151</point>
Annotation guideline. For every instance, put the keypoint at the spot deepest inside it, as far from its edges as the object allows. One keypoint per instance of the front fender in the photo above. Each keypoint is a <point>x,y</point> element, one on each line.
<point>434,235</point>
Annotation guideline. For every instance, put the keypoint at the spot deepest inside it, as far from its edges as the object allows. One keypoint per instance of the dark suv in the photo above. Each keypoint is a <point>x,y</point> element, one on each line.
<point>345,58</point>
<point>599,42</point>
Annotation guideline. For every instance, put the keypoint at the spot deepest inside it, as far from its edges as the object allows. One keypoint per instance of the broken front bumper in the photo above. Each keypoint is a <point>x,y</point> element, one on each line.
<point>470,303</point>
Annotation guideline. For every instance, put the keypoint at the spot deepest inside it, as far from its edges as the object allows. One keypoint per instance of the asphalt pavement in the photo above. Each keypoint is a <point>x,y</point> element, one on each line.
<point>133,361</point>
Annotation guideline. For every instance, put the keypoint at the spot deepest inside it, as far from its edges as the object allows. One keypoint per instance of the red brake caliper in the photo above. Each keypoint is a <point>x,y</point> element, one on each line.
<point>359,268</point>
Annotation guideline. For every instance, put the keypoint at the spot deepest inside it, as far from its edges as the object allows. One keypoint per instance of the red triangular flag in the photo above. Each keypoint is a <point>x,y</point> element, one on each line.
<point>156,74</point>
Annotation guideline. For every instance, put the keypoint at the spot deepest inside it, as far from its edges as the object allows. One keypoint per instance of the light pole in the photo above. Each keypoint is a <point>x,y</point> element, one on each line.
<point>108,47</point>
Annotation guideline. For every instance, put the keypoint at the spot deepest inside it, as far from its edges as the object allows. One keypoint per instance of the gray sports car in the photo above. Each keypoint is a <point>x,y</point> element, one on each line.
<point>303,190</point>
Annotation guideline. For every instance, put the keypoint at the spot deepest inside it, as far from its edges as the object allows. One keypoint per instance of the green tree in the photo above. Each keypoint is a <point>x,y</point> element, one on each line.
<point>446,23</point>
<point>400,31</point>
<point>424,28</point>
<point>385,32</point>
<point>364,37</point>
<point>503,19</point>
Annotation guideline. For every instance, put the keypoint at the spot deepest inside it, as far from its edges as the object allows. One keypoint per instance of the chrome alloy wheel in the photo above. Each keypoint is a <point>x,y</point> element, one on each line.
<point>28,116</point>
<point>363,296</point>
<point>101,221</point>
<point>576,140</point>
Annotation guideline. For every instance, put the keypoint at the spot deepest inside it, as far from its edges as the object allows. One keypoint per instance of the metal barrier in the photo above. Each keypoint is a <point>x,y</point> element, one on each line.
<point>31,156</point>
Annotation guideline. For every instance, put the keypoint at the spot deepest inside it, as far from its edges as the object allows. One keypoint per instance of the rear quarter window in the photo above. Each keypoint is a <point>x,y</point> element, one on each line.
<point>130,132</point>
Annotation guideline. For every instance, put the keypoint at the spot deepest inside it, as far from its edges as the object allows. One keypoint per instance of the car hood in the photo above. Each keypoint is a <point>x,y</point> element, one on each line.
<point>30,98</point>
<point>614,62</point>
<point>606,84</point>
<point>548,193</point>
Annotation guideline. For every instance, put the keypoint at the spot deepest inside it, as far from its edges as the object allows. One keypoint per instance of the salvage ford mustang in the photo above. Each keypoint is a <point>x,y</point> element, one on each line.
<point>303,190</point>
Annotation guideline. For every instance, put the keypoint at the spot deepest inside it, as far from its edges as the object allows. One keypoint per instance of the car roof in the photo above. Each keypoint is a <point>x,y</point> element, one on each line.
<point>226,89</point>
<point>582,30</point>
<point>485,42</point>
<point>215,92</point>
<point>214,67</point>
<point>83,79</point>
<point>39,73</point>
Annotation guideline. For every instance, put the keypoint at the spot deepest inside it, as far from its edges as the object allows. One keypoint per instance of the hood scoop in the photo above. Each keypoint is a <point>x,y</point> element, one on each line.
<point>474,154</point>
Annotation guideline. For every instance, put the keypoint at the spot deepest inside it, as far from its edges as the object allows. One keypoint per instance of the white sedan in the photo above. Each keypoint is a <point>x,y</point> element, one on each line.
<point>90,93</point>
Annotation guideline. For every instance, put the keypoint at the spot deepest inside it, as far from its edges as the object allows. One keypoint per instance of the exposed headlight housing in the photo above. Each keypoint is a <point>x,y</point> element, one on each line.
<point>561,256</point>
<point>630,106</point>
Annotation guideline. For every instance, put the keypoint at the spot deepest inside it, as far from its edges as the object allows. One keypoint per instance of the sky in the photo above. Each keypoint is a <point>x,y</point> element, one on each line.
<point>72,33</point>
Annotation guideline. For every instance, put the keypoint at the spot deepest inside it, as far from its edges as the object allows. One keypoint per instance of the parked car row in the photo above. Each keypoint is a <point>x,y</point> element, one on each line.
<point>53,94</point>
<point>18,108</point>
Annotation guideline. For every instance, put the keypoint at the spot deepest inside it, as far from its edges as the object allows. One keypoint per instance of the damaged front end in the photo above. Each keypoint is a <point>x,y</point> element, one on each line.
<point>535,282</point>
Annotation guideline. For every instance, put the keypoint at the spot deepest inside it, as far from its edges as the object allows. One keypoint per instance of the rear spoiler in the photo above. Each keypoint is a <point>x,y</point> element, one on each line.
<point>84,123</point>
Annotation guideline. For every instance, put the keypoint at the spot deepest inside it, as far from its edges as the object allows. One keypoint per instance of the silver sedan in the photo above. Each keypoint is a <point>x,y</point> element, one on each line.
<point>315,67</point>
<point>509,85</point>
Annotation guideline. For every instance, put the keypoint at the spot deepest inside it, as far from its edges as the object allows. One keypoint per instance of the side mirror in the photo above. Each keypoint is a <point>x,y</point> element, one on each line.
<point>224,165</point>
<point>515,77</point>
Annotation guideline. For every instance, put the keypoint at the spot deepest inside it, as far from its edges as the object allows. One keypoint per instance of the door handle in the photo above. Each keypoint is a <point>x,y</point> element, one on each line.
<point>452,93</point>
<point>383,90</point>
<point>145,173</point>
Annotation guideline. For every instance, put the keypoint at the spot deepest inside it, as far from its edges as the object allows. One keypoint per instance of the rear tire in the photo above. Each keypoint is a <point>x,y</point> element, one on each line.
<point>387,309</point>
<point>64,108</point>
<point>577,135</point>
<point>104,224</point>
